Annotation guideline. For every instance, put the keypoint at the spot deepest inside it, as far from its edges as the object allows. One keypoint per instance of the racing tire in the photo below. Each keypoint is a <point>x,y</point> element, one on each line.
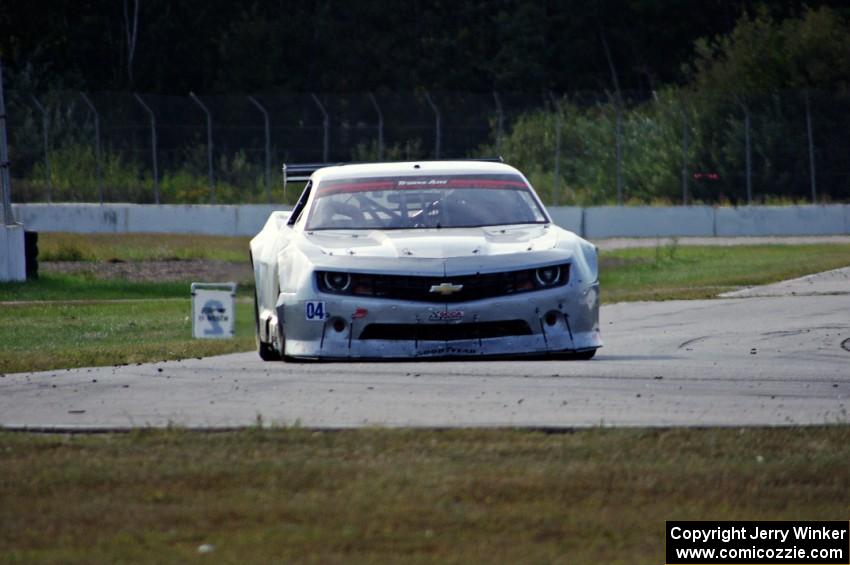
<point>267,352</point>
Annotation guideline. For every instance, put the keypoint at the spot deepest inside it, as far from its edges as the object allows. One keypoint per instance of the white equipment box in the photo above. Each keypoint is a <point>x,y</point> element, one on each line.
<point>213,310</point>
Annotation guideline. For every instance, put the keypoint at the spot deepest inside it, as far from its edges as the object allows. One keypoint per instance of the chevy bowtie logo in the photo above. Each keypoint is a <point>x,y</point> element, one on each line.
<point>446,288</point>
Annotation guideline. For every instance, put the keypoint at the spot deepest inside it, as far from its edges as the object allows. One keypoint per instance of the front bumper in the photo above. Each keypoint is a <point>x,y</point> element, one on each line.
<point>572,325</point>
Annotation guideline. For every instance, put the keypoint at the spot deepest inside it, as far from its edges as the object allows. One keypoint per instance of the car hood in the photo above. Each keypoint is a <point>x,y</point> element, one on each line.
<point>445,243</point>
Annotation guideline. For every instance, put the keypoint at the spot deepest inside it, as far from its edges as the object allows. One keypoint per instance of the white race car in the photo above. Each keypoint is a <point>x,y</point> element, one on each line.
<point>421,260</point>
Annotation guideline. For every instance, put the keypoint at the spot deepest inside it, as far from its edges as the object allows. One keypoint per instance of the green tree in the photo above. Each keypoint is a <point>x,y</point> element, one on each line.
<point>776,71</point>
<point>761,53</point>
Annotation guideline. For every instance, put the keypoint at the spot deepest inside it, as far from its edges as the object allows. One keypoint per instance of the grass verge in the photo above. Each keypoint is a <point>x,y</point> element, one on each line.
<point>678,272</point>
<point>55,335</point>
<point>595,496</point>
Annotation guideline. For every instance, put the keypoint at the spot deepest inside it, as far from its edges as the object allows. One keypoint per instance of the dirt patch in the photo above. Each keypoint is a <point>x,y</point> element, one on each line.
<point>156,271</point>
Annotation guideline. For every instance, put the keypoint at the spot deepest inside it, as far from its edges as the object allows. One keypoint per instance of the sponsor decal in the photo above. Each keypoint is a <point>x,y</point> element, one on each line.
<point>446,315</point>
<point>447,351</point>
<point>423,182</point>
<point>214,313</point>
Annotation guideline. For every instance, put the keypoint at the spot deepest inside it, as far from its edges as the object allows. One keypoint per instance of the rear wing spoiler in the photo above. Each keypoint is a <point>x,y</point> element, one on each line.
<point>303,171</point>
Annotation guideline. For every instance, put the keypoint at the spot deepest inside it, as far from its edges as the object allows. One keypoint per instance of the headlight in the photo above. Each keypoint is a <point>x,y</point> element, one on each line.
<point>335,281</point>
<point>547,276</point>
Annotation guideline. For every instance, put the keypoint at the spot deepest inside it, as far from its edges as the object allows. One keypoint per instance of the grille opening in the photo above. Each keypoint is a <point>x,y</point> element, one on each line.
<point>447,332</point>
<point>418,288</point>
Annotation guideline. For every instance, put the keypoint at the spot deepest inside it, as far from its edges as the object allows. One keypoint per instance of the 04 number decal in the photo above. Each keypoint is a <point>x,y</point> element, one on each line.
<point>315,311</point>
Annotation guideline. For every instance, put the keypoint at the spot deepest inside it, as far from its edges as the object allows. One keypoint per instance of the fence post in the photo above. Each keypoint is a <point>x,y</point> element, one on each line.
<point>500,123</point>
<point>96,144</point>
<point>438,125</point>
<point>380,126</point>
<point>45,127</point>
<point>5,178</point>
<point>811,149</point>
<point>556,176</point>
<point>749,156</point>
<point>268,147</point>
<point>619,149</point>
<point>685,126</point>
<point>153,147</point>
<point>326,125</point>
<point>209,145</point>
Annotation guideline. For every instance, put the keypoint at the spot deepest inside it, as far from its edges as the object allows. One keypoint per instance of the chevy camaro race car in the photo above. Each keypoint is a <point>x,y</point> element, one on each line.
<point>421,260</point>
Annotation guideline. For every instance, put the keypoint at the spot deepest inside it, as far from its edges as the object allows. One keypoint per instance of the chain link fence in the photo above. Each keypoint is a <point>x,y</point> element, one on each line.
<point>578,148</point>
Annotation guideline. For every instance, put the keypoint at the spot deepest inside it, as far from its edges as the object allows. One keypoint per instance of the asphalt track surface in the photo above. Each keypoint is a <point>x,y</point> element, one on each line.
<point>775,355</point>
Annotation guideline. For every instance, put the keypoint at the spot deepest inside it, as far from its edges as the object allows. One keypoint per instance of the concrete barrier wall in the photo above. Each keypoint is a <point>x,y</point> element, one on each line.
<point>595,223</point>
<point>84,218</point>
<point>13,266</point>
<point>624,221</point>
<point>142,218</point>
<point>568,217</point>
<point>782,220</point>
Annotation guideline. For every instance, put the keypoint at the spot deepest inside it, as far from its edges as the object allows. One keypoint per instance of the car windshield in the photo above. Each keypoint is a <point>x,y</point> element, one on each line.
<point>441,201</point>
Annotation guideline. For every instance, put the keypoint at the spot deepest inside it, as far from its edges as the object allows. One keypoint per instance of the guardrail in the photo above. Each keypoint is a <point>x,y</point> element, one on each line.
<point>595,223</point>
